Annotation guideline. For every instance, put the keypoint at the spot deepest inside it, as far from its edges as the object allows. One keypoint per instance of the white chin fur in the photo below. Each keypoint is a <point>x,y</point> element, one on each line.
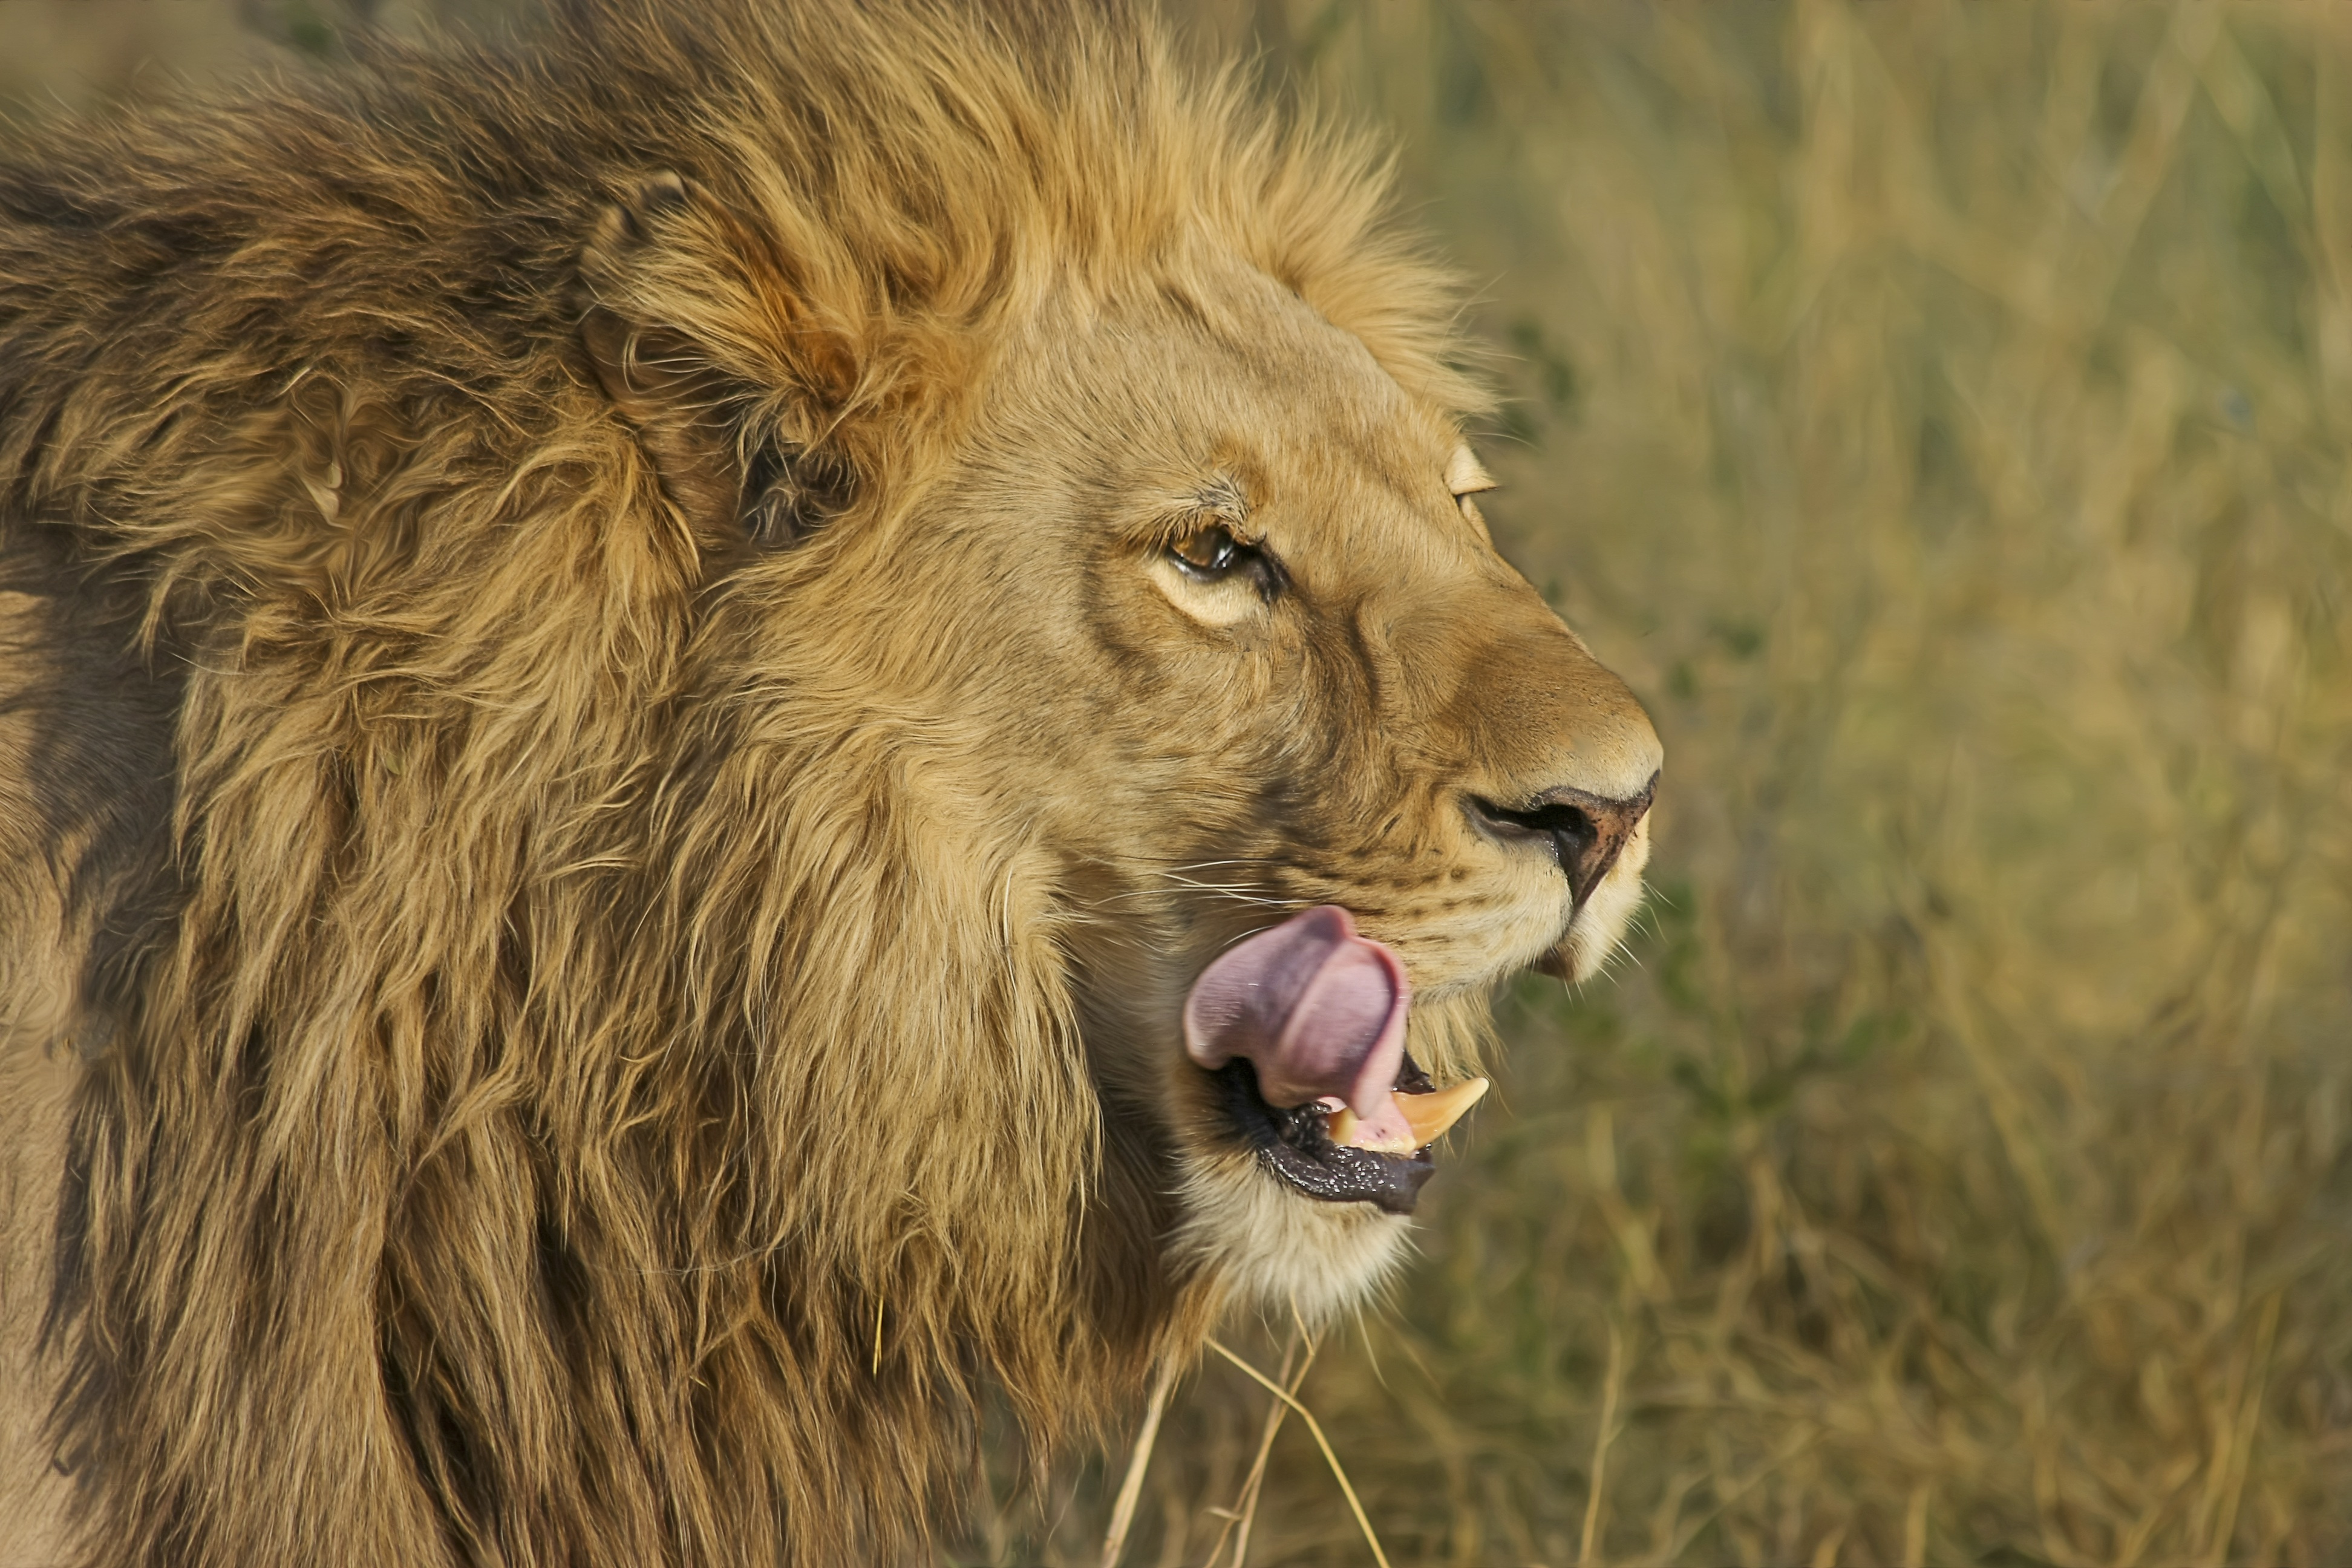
<point>1276,1248</point>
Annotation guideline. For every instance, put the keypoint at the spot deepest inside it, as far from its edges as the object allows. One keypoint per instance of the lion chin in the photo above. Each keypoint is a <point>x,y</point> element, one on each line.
<point>720,733</point>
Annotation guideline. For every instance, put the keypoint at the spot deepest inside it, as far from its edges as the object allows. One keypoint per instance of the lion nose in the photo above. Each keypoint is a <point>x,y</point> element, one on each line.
<point>1584,832</point>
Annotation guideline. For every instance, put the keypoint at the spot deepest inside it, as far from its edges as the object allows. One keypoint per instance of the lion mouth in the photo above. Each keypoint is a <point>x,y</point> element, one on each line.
<point>1302,1027</point>
<point>1296,1144</point>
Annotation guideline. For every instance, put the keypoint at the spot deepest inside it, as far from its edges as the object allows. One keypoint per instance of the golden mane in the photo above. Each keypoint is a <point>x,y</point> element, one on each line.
<point>540,914</point>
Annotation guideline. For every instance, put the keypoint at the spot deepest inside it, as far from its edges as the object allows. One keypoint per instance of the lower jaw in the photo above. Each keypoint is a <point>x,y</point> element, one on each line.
<point>1290,1145</point>
<point>1391,1182</point>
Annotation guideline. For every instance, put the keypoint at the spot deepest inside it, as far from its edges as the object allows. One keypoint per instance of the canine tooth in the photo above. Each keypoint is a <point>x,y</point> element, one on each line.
<point>1431,1114</point>
<point>1342,1128</point>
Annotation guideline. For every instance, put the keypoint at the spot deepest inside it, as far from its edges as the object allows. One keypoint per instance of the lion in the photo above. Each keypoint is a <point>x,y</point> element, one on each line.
<point>719,734</point>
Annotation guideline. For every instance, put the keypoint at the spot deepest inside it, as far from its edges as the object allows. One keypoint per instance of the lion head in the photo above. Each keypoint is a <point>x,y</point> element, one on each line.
<point>846,728</point>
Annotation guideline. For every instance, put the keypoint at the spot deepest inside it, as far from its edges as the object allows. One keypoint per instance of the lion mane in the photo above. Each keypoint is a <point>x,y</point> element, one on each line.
<point>566,1069</point>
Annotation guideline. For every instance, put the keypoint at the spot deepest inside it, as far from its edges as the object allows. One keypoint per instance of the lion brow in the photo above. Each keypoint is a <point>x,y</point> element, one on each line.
<point>1223,496</point>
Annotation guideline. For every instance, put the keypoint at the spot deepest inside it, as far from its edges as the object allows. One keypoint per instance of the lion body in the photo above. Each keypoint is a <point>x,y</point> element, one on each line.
<point>545,1031</point>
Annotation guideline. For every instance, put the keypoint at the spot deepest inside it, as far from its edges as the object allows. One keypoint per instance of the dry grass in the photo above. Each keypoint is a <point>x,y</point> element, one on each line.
<point>1939,413</point>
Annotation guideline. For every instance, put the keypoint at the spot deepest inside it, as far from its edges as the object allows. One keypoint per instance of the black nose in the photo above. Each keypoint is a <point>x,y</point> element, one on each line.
<point>1583,831</point>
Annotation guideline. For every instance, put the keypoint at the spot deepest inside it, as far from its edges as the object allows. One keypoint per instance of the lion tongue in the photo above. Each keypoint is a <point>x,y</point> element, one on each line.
<point>1315,1009</point>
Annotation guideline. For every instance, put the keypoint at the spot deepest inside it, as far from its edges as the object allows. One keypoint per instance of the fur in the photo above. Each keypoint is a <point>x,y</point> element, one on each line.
<point>601,809</point>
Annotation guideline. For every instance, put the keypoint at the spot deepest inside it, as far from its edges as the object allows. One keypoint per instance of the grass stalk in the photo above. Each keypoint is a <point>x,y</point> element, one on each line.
<point>1612,1385</point>
<point>1339,1471</point>
<point>1243,1512</point>
<point>1122,1513</point>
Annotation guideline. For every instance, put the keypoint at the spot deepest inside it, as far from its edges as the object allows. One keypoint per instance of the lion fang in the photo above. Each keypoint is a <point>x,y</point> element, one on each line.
<point>1429,1115</point>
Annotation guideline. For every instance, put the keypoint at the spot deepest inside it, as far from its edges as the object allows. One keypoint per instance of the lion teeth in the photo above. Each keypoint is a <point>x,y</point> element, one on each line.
<point>1426,1118</point>
<point>1431,1114</point>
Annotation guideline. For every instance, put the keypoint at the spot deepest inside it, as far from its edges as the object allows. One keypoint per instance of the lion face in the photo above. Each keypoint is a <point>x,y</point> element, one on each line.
<point>1249,650</point>
<point>1219,676</point>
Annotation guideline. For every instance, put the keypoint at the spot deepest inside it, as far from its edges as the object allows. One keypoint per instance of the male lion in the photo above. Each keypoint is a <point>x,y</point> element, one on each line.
<point>713,733</point>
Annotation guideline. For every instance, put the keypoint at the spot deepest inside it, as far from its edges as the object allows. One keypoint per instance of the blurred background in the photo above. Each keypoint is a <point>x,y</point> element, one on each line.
<point>1938,412</point>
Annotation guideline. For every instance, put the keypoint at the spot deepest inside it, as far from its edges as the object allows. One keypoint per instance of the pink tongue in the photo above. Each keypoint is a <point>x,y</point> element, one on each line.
<point>1317,1009</point>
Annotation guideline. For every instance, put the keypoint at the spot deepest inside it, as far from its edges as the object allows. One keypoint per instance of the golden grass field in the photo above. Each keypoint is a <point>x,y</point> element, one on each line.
<point>1939,414</point>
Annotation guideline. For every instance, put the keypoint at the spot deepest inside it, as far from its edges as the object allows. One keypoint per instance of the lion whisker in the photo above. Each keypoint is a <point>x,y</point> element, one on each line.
<point>1224,890</point>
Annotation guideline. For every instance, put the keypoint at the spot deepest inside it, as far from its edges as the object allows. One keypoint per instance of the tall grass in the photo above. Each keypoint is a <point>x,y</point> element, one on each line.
<point>1938,412</point>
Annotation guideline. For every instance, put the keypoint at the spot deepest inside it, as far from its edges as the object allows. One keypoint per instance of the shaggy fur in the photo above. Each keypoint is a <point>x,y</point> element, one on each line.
<point>610,780</point>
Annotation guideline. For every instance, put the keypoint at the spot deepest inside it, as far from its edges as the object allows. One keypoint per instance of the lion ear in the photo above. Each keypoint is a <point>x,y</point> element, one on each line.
<point>697,332</point>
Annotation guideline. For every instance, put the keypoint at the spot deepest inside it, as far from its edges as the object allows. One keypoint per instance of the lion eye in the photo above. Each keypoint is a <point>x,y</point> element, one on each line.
<point>1211,553</point>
